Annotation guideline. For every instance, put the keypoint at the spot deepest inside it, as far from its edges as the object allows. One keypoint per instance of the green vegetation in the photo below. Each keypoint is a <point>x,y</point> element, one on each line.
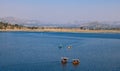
<point>10,26</point>
<point>15,27</point>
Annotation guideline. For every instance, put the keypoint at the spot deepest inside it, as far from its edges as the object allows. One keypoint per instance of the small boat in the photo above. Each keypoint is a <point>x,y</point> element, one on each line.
<point>69,47</point>
<point>75,61</point>
<point>64,60</point>
<point>60,47</point>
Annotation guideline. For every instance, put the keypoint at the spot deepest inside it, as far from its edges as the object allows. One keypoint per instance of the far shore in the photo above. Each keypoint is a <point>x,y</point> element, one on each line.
<point>76,30</point>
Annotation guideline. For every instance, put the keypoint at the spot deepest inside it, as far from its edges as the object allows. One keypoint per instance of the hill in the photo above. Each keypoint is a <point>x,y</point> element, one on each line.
<point>95,25</point>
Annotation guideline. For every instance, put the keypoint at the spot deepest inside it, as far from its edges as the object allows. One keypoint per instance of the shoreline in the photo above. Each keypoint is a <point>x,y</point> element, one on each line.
<point>73,30</point>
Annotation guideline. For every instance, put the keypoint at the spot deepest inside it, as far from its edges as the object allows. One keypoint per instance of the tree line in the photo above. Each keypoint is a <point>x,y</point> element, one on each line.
<point>4,25</point>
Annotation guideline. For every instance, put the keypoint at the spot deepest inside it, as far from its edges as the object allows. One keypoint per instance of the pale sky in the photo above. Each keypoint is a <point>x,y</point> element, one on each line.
<point>62,11</point>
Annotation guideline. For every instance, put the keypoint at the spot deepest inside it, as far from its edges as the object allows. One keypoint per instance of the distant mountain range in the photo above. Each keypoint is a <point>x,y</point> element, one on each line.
<point>101,25</point>
<point>88,25</point>
<point>24,22</point>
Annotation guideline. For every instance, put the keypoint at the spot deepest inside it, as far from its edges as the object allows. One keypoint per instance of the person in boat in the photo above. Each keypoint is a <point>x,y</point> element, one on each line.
<point>64,60</point>
<point>75,61</point>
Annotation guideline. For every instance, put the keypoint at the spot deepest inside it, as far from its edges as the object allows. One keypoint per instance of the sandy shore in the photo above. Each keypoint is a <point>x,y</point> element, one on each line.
<point>63,30</point>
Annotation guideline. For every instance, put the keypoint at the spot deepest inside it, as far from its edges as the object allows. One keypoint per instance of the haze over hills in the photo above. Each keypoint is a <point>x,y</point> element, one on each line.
<point>19,21</point>
<point>85,24</point>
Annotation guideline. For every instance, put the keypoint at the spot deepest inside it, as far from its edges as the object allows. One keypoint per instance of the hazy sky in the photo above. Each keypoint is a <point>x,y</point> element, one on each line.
<point>62,11</point>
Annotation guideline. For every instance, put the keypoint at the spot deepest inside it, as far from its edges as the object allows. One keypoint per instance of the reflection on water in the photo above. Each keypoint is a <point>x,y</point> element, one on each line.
<point>40,51</point>
<point>38,67</point>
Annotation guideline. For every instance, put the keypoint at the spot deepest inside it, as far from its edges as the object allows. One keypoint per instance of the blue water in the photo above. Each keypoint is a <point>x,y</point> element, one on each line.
<point>38,51</point>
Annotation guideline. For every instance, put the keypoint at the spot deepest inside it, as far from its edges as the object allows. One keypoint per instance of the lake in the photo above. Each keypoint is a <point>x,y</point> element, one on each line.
<point>38,51</point>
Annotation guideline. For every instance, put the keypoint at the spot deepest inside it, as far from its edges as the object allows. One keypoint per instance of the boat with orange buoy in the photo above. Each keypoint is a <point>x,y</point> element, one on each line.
<point>75,61</point>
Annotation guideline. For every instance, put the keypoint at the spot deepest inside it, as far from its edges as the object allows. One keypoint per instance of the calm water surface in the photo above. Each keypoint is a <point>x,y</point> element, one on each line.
<point>38,51</point>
